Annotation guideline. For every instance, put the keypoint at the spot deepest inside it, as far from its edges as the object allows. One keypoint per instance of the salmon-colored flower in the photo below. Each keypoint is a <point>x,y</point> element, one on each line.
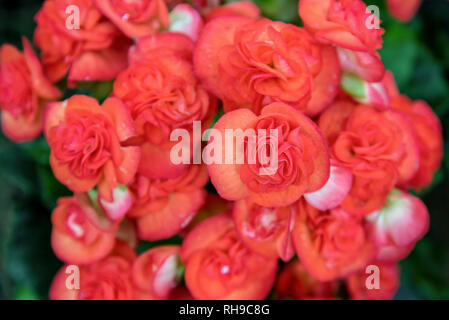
<point>161,90</point>
<point>89,49</point>
<point>388,283</point>
<point>136,18</point>
<point>24,90</point>
<point>301,154</point>
<point>349,25</point>
<point>331,244</point>
<point>294,282</point>
<point>380,147</point>
<point>249,63</point>
<point>85,144</point>
<point>164,206</point>
<point>219,266</point>
<point>76,236</point>
<point>107,279</point>
<point>429,136</point>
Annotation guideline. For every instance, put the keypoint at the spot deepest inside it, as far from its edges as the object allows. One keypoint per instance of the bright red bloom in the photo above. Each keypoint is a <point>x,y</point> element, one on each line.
<point>164,206</point>
<point>24,90</point>
<point>350,26</point>
<point>136,18</point>
<point>294,282</point>
<point>95,51</point>
<point>250,63</point>
<point>303,159</point>
<point>219,266</point>
<point>85,144</point>
<point>380,147</point>
<point>330,244</point>
<point>107,279</point>
<point>161,90</point>
<point>156,271</point>
<point>403,10</point>
<point>388,284</point>
<point>76,238</point>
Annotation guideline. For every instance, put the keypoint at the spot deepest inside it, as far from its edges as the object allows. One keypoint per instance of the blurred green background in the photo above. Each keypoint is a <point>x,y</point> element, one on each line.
<point>416,52</point>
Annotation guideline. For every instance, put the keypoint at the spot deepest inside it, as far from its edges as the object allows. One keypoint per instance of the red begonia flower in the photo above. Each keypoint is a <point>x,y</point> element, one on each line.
<point>164,206</point>
<point>266,231</point>
<point>75,239</point>
<point>24,90</point>
<point>388,284</point>
<point>337,187</point>
<point>85,144</point>
<point>330,244</point>
<point>351,27</point>
<point>162,92</point>
<point>403,10</point>
<point>303,159</point>
<point>107,279</point>
<point>93,50</point>
<point>295,282</point>
<point>156,270</point>
<point>250,63</point>
<point>136,18</point>
<point>219,266</point>
<point>380,147</point>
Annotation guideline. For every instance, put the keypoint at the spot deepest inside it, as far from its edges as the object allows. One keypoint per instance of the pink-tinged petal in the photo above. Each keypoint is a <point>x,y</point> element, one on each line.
<point>372,93</point>
<point>401,222</point>
<point>334,191</point>
<point>367,65</point>
<point>155,271</point>
<point>226,177</point>
<point>391,253</point>
<point>186,20</point>
<point>122,202</point>
<point>54,113</point>
<point>175,215</point>
<point>94,213</point>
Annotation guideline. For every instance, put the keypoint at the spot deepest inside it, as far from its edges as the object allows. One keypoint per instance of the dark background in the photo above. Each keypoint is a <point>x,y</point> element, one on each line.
<point>416,52</point>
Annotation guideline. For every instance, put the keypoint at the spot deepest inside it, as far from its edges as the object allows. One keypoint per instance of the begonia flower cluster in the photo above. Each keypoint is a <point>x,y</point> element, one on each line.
<point>350,148</point>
